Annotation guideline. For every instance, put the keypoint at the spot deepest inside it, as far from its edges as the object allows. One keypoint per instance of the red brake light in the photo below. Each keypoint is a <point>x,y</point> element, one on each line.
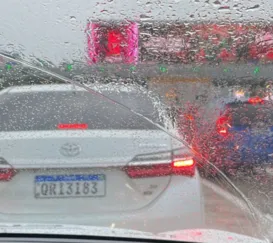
<point>223,131</point>
<point>72,126</point>
<point>6,170</point>
<point>179,166</point>
<point>255,100</point>
<point>141,171</point>
<point>6,174</point>
<point>222,124</point>
<point>183,166</point>
<point>183,163</point>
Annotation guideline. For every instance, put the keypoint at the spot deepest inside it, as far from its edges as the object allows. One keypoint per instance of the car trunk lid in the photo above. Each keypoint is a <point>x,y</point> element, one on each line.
<point>82,169</point>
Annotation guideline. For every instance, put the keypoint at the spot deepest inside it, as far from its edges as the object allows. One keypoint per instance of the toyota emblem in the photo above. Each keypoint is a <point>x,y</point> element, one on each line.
<point>70,150</point>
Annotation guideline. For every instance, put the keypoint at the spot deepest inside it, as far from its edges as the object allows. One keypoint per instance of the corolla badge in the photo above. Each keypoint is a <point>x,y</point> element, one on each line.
<point>70,149</point>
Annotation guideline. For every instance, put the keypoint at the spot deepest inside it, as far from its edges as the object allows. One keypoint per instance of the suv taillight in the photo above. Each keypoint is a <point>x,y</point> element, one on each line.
<point>222,125</point>
<point>255,100</point>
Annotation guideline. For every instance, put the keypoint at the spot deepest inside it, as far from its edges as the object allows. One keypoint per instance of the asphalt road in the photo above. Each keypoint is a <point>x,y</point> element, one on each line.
<point>258,189</point>
<point>225,211</point>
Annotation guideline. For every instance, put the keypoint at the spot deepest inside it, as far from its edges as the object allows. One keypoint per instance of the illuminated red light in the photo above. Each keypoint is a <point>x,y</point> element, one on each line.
<point>73,126</point>
<point>223,125</point>
<point>114,42</point>
<point>255,100</point>
<point>189,117</point>
<point>223,131</point>
<point>183,163</point>
<point>184,167</point>
<point>6,174</point>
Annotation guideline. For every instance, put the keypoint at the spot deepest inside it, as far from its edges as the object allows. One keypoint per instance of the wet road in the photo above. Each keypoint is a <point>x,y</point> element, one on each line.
<point>223,211</point>
<point>259,190</point>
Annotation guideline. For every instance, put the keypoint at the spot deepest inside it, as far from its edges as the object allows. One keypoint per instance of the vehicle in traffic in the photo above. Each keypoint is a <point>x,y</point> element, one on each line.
<point>105,163</point>
<point>244,130</point>
<point>238,135</point>
<point>232,132</point>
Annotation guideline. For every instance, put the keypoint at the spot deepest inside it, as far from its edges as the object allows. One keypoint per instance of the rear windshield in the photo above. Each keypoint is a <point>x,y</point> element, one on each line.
<point>50,110</point>
<point>244,113</point>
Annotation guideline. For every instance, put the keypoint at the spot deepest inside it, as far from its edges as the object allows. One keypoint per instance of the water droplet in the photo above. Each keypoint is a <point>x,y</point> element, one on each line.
<point>8,66</point>
<point>69,67</point>
<point>224,8</point>
<point>195,69</point>
<point>256,70</point>
<point>144,17</point>
<point>217,2</point>
<point>163,69</point>
<point>254,7</point>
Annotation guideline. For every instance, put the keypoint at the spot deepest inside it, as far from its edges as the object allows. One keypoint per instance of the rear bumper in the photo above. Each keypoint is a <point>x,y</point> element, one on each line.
<point>180,206</point>
<point>242,154</point>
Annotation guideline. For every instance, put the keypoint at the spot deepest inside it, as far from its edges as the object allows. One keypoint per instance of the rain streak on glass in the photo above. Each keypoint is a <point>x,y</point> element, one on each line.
<point>125,115</point>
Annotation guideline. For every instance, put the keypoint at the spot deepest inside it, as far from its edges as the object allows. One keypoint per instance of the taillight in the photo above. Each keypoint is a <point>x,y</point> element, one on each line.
<point>6,170</point>
<point>6,174</point>
<point>223,124</point>
<point>223,131</point>
<point>171,164</point>
<point>255,100</point>
<point>183,166</point>
<point>148,170</point>
<point>73,126</point>
<point>183,163</point>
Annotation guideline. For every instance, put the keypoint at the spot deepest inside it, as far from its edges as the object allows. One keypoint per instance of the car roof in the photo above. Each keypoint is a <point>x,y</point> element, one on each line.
<point>72,87</point>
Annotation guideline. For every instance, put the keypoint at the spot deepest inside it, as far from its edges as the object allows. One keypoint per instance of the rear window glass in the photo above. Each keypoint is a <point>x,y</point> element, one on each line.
<point>48,110</point>
<point>244,113</point>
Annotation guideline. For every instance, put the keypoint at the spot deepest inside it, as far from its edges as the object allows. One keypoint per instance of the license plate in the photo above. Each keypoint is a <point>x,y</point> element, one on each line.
<point>67,186</point>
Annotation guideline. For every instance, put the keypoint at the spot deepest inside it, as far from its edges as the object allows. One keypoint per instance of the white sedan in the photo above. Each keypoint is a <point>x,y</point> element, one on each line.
<point>71,156</point>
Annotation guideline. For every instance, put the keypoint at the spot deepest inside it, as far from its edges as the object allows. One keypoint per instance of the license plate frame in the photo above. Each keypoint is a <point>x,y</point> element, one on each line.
<point>78,181</point>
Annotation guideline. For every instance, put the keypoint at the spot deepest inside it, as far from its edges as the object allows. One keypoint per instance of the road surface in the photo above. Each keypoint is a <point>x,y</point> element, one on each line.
<point>223,211</point>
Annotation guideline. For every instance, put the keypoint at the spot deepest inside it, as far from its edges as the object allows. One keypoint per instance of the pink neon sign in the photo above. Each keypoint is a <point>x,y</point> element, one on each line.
<point>112,44</point>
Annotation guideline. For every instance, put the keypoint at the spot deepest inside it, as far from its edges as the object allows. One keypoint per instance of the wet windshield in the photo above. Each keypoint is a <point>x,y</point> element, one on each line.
<point>128,115</point>
<point>59,109</point>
